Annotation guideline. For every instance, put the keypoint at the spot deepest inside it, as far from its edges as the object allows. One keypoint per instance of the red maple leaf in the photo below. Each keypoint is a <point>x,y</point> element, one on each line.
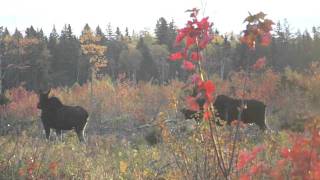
<point>266,39</point>
<point>182,33</point>
<point>209,89</point>
<point>267,25</point>
<point>243,158</point>
<point>285,153</point>
<point>208,86</point>
<point>203,24</point>
<point>249,39</point>
<point>207,115</point>
<point>188,65</point>
<point>176,56</point>
<point>195,56</point>
<point>260,63</point>
<point>192,103</point>
<point>190,41</point>
<point>204,42</point>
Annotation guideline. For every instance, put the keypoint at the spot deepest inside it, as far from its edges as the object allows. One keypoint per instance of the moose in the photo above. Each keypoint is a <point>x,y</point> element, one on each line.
<point>55,115</point>
<point>228,109</point>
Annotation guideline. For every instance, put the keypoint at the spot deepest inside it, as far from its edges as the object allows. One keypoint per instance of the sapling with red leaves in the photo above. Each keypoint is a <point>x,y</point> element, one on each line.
<point>193,39</point>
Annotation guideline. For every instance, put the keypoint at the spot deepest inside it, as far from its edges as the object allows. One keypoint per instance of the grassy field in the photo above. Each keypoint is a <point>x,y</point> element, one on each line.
<point>136,131</point>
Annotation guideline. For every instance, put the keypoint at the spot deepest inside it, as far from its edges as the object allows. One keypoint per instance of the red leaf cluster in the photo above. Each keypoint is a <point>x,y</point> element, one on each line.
<point>195,33</point>
<point>209,88</point>
<point>257,28</point>
<point>204,90</point>
<point>192,103</point>
<point>176,56</point>
<point>303,157</point>
<point>245,157</point>
<point>195,56</point>
<point>195,36</point>
<point>260,63</point>
<point>188,65</point>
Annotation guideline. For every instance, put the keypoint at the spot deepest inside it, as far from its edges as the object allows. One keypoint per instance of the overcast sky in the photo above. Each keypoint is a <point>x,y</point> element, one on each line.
<point>227,15</point>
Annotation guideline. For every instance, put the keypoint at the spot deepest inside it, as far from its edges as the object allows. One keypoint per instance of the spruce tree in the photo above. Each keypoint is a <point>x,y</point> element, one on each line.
<point>162,31</point>
<point>148,70</point>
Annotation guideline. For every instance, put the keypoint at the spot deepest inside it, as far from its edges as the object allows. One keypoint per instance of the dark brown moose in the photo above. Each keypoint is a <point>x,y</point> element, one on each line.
<point>227,109</point>
<point>55,115</point>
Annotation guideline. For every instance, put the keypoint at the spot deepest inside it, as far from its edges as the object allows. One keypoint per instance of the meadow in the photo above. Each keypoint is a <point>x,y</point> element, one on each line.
<point>136,131</point>
<point>136,128</point>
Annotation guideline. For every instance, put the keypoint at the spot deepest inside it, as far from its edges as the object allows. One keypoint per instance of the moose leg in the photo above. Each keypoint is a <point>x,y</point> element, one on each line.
<point>47,130</point>
<point>80,134</point>
<point>261,125</point>
<point>58,132</point>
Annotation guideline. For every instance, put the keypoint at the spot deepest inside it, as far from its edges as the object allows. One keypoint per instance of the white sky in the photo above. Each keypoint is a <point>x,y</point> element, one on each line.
<point>227,15</point>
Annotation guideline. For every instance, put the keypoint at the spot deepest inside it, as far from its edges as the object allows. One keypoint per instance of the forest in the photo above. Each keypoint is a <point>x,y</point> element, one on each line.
<point>135,86</point>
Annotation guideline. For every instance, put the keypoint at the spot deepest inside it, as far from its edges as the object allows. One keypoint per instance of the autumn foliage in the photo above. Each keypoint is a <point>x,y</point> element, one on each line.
<point>257,30</point>
<point>122,111</point>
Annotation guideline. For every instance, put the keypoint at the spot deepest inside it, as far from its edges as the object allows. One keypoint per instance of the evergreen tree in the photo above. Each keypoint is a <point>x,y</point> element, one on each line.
<point>5,32</point>
<point>119,35</point>
<point>67,33</point>
<point>31,32</point>
<point>162,31</point>
<point>101,36</point>
<point>17,34</point>
<point>53,39</point>
<point>172,33</point>
<point>127,34</point>
<point>41,36</point>
<point>110,34</point>
<point>148,70</point>
<point>65,58</point>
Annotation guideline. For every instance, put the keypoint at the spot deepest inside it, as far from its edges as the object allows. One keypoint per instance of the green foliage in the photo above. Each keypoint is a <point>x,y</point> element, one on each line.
<point>4,100</point>
<point>148,70</point>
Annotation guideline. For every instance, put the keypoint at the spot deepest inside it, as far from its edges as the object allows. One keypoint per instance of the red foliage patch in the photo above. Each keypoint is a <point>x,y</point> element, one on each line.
<point>176,56</point>
<point>260,63</point>
<point>257,28</point>
<point>188,65</point>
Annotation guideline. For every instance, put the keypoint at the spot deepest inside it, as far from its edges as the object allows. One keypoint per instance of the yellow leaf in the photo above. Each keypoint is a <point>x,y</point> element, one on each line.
<point>123,167</point>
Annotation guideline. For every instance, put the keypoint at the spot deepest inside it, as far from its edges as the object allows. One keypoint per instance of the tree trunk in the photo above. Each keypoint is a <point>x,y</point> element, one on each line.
<point>1,90</point>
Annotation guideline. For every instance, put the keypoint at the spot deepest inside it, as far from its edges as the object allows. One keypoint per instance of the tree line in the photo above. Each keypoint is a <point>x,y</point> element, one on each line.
<point>35,60</point>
